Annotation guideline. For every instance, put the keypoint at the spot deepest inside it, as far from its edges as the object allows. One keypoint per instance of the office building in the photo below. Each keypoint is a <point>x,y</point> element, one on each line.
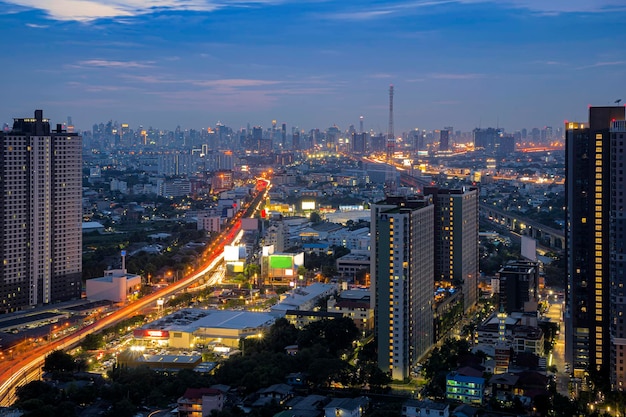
<point>444,140</point>
<point>359,143</point>
<point>519,284</point>
<point>617,254</point>
<point>41,214</point>
<point>456,239</point>
<point>588,196</point>
<point>402,278</point>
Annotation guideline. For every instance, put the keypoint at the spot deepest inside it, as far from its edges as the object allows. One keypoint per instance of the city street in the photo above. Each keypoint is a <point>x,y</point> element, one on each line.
<point>557,357</point>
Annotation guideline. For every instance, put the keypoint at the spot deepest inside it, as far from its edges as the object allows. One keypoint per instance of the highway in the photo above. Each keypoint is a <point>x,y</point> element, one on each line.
<point>27,367</point>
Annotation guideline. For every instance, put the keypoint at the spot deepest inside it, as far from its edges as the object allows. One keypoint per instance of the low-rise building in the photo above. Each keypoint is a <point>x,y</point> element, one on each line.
<point>116,285</point>
<point>346,407</point>
<point>188,327</point>
<point>416,408</point>
<point>200,402</point>
<point>348,266</point>
<point>463,388</point>
<point>303,298</point>
<point>354,304</point>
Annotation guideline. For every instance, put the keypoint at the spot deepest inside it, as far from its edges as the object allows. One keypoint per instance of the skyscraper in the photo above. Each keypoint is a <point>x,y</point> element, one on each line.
<point>588,193</point>
<point>617,254</point>
<point>40,211</point>
<point>456,239</point>
<point>402,274</point>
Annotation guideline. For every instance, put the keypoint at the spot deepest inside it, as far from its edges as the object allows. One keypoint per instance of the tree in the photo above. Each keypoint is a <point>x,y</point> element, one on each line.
<point>92,341</point>
<point>315,217</point>
<point>37,391</point>
<point>59,361</point>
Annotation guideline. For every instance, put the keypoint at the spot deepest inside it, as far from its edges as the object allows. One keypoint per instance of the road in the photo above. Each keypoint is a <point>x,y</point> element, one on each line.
<point>27,367</point>
<point>557,357</point>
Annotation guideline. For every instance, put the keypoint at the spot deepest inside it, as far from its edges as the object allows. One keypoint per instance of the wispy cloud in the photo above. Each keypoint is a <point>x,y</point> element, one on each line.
<point>547,7</point>
<point>603,64</point>
<point>235,83</point>
<point>362,15</point>
<point>105,63</point>
<point>36,26</point>
<point>380,75</point>
<point>564,6</point>
<point>89,10</point>
<point>455,76</point>
<point>92,88</point>
<point>388,10</point>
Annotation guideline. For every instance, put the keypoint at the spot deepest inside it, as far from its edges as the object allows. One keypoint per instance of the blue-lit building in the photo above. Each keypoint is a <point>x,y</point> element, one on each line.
<point>467,389</point>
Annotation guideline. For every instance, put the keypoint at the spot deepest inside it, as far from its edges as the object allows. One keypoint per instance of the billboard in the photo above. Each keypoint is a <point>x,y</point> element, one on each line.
<point>281,261</point>
<point>151,334</point>
<point>298,259</point>
<point>268,250</point>
<point>308,205</point>
<point>232,253</point>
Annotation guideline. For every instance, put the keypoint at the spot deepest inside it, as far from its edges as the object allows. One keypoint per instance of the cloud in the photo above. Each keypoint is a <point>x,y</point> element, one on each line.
<point>364,15</point>
<point>565,6</point>
<point>602,64</point>
<point>121,11</point>
<point>546,7</point>
<point>235,83</point>
<point>89,10</point>
<point>36,26</point>
<point>380,75</point>
<point>452,76</point>
<point>105,63</point>
<point>386,11</point>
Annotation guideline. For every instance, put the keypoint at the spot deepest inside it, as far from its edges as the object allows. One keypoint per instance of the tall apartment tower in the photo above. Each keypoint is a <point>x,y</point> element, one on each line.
<point>402,276</point>
<point>588,192</point>
<point>456,239</point>
<point>617,254</point>
<point>41,215</point>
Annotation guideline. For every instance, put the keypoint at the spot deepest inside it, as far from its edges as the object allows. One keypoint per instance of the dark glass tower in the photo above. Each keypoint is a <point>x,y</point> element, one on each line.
<point>588,196</point>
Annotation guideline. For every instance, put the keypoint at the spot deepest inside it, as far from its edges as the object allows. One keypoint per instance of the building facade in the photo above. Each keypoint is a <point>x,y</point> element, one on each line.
<point>402,281</point>
<point>519,284</point>
<point>617,254</point>
<point>456,239</point>
<point>588,196</point>
<point>41,214</point>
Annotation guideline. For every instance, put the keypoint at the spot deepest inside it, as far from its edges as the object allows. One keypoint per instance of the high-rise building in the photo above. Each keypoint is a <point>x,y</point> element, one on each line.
<point>456,239</point>
<point>444,140</point>
<point>402,275</point>
<point>41,215</point>
<point>588,193</point>
<point>359,143</point>
<point>617,254</point>
<point>519,284</point>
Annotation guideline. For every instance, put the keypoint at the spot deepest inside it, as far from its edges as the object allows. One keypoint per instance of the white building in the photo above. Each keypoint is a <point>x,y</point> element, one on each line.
<point>303,298</point>
<point>416,408</point>
<point>116,285</point>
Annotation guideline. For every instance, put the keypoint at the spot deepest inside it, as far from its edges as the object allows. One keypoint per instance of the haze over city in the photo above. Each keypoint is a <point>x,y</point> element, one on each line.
<point>467,64</point>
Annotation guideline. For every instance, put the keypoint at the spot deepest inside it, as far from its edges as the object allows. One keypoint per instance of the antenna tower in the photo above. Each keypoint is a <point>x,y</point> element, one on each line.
<point>391,140</point>
<point>390,173</point>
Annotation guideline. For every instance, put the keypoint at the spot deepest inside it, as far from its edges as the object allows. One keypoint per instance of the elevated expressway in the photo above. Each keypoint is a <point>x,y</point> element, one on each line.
<point>27,367</point>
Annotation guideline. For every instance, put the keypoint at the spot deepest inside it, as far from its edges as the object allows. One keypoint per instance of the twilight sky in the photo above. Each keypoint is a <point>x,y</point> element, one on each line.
<point>312,63</point>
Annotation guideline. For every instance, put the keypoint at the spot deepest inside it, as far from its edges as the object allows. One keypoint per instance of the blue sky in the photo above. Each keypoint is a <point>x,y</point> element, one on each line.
<point>312,63</point>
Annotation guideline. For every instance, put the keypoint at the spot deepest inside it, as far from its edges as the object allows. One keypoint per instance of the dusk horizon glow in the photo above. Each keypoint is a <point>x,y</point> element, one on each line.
<point>312,64</point>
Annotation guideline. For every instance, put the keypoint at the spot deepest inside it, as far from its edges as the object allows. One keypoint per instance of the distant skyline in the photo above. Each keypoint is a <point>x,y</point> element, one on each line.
<point>312,63</point>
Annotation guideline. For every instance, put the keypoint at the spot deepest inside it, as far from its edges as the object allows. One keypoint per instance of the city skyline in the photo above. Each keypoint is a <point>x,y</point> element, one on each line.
<point>465,63</point>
